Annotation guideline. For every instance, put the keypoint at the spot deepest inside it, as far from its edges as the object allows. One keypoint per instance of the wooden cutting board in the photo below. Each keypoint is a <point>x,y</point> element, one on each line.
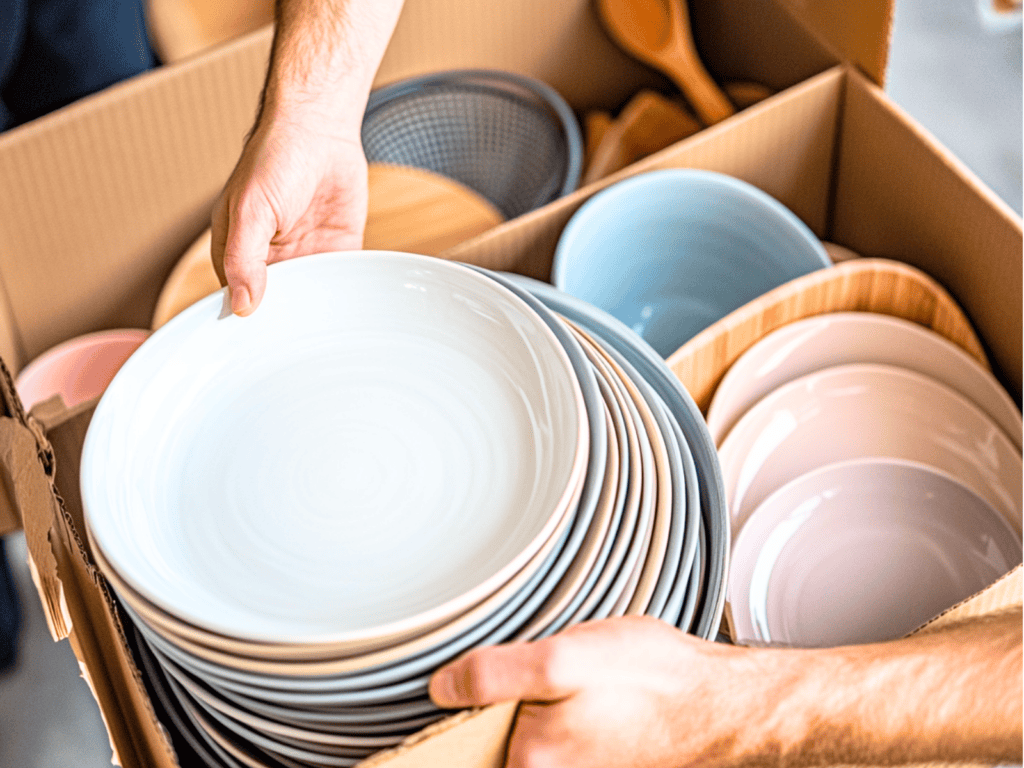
<point>410,210</point>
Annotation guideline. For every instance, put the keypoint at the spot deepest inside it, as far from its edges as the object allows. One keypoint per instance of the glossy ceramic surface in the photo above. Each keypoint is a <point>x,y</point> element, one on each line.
<point>678,501</point>
<point>863,551</point>
<point>670,252</point>
<point>436,393</point>
<point>79,369</point>
<point>842,338</point>
<point>862,411</point>
<point>611,581</point>
<point>707,478</point>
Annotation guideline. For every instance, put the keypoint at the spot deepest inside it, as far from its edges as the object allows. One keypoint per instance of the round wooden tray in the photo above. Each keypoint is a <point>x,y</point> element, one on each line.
<point>859,285</point>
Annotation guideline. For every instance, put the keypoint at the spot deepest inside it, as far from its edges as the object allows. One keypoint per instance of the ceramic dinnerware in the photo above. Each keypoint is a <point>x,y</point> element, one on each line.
<point>679,493</point>
<point>670,252</point>
<point>299,578</point>
<point>78,370</point>
<point>863,551</point>
<point>841,338</point>
<point>861,411</point>
<point>708,477</point>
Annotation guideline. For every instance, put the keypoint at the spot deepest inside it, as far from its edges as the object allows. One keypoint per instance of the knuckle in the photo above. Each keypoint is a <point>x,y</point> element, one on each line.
<point>475,683</point>
<point>537,754</point>
<point>556,662</point>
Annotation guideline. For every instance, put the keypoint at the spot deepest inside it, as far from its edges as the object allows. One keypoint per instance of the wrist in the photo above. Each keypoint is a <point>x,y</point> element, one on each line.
<point>325,57</point>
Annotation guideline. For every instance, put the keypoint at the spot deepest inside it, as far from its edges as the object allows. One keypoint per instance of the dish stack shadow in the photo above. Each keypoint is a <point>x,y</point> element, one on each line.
<point>305,513</point>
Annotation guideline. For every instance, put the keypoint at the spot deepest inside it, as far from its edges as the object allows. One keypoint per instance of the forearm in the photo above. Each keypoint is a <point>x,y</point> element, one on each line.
<point>950,694</point>
<point>325,55</point>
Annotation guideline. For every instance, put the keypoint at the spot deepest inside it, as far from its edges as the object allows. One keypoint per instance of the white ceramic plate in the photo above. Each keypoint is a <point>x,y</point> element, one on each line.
<point>862,411</point>
<point>863,551</point>
<point>841,338</point>
<point>383,444</point>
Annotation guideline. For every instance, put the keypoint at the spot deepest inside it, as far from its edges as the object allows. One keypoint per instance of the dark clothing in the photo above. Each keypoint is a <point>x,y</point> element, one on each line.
<point>53,52</point>
<point>10,613</point>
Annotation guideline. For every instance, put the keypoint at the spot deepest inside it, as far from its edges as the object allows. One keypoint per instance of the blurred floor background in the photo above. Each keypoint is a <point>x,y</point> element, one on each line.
<point>957,74</point>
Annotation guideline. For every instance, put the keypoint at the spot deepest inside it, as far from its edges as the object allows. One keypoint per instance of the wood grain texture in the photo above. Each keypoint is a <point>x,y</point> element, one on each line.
<point>648,123</point>
<point>659,34</point>
<point>861,285</point>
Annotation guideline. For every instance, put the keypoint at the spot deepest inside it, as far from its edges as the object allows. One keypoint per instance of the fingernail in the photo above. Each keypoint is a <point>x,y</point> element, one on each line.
<point>240,301</point>
<point>442,687</point>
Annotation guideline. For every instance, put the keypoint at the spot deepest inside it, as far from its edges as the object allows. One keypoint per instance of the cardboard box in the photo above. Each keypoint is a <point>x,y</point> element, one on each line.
<point>102,197</point>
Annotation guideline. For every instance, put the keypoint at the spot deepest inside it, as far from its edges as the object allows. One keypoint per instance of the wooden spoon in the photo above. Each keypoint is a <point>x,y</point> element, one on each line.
<point>410,209</point>
<point>648,123</point>
<point>595,123</point>
<point>658,33</point>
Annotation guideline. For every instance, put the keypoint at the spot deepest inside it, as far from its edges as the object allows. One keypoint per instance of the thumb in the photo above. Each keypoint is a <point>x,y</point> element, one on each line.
<point>240,250</point>
<point>520,671</point>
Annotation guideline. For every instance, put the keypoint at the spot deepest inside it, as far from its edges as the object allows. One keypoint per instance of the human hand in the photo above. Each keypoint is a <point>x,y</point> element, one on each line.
<point>298,188</point>
<point>631,691</point>
<point>637,692</point>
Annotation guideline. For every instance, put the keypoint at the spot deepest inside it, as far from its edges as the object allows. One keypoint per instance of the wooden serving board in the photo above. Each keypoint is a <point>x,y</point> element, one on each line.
<point>410,209</point>
<point>860,285</point>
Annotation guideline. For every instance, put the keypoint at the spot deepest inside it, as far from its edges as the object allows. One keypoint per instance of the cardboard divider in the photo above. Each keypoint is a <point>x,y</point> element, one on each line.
<point>733,40</point>
<point>797,128</point>
<point>859,36</point>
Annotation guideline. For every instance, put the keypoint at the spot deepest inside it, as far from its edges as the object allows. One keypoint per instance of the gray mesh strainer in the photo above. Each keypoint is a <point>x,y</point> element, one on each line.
<point>511,138</point>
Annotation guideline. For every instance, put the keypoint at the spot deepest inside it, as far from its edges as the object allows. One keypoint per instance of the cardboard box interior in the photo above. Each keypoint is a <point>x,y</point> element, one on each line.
<point>104,196</point>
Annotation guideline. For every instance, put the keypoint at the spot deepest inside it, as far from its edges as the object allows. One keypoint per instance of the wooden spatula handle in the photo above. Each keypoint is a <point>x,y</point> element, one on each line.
<point>688,72</point>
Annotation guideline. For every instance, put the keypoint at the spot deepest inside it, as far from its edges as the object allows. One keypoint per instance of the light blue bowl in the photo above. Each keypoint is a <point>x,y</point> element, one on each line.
<point>671,252</point>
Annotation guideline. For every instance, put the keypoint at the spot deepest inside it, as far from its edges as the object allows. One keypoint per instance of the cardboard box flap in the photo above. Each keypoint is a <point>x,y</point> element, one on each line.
<point>901,194</point>
<point>860,32</point>
<point>101,197</point>
<point>1005,594</point>
<point>469,739</point>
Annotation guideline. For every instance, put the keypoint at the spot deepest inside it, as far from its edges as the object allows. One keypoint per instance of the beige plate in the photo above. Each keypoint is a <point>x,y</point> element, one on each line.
<point>582,564</point>
<point>410,209</point>
<point>644,558</point>
<point>628,494</point>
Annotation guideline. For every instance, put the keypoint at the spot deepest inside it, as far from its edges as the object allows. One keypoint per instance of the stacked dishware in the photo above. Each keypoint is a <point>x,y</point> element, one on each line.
<point>304,513</point>
<point>873,475</point>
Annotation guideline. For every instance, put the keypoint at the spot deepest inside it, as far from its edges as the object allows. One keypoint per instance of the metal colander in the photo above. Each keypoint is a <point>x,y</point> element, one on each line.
<point>511,138</point>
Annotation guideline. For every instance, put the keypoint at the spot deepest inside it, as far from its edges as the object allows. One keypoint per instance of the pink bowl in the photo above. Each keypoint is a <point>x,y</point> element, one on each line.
<point>79,369</point>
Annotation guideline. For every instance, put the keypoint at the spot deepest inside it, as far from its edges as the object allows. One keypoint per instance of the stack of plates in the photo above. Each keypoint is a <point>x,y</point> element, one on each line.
<point>306,512</point>
<point>873,474</point>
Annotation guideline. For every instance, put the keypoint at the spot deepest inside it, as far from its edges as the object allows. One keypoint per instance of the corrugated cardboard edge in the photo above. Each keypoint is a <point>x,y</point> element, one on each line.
<point>73,594</point>
<point>474,738</point>
<point>1004,594</point>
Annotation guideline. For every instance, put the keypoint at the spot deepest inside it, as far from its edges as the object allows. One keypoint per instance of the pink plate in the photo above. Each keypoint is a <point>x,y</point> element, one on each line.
<point>863,551</point>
